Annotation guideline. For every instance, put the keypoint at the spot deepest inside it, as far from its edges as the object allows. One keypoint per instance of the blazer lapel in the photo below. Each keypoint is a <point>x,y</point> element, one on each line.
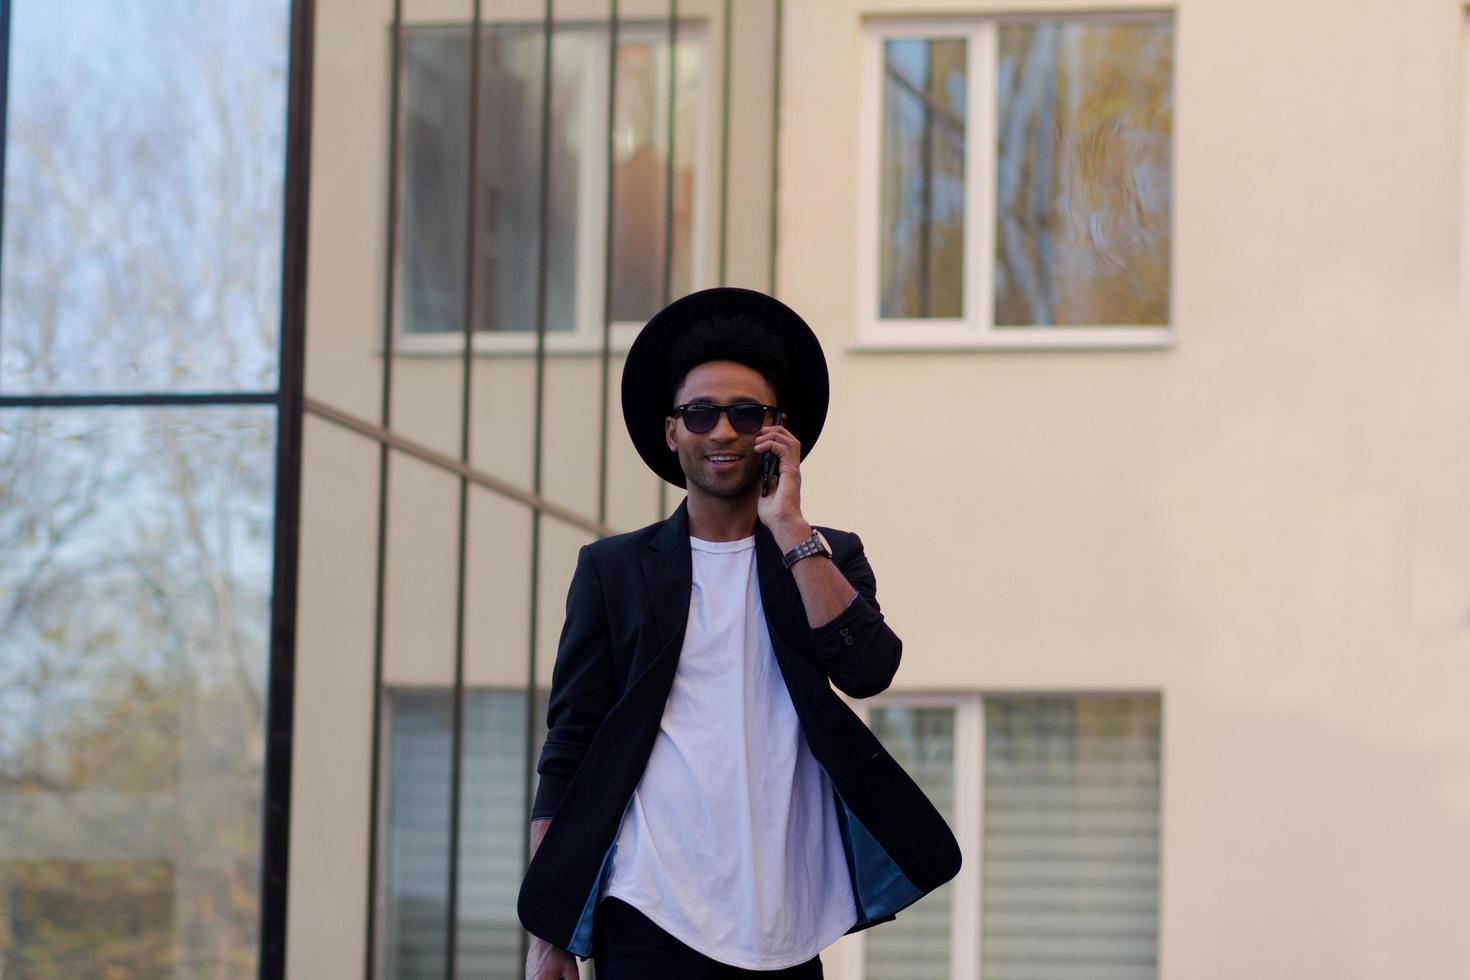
<point>668,575</point>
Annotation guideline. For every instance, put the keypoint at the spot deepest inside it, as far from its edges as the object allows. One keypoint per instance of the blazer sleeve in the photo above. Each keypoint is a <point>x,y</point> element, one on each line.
<point>860,652</point>
<point>582,687</point>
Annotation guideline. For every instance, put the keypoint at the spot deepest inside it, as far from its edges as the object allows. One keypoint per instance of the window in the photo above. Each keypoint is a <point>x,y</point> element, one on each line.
<point>415,858</point>
<point>1055,801</point>
<point>432,262</point>
<point>1016,182</point>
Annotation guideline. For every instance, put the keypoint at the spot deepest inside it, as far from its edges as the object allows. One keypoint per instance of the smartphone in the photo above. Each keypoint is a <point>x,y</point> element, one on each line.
<point>768,468</point>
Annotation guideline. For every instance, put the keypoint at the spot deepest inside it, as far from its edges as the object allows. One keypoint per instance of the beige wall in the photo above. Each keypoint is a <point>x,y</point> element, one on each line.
<point>1268,522</point>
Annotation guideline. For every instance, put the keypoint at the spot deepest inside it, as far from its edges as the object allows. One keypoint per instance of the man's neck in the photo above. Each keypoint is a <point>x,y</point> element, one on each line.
<point>721,518</point>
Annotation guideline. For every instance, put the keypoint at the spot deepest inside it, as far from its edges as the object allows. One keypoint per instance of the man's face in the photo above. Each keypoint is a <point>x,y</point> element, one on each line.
<point>719,462</point>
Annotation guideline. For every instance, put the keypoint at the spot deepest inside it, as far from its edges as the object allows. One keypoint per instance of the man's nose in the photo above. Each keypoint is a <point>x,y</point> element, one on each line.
<point>723,430</point>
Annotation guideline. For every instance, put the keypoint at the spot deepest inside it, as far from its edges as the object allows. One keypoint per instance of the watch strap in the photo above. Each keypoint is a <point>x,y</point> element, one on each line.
<point>811,546</point>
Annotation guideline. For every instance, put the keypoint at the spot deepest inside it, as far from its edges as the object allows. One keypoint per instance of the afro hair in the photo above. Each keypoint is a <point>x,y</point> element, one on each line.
<point>738,338</point>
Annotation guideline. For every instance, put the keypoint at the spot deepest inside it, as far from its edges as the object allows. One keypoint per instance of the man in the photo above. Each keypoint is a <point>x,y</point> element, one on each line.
<point>708,806</point>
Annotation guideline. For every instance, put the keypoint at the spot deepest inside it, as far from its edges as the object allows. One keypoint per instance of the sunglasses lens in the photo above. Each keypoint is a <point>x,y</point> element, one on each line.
<point>747,418</point>
<point>701,419</point>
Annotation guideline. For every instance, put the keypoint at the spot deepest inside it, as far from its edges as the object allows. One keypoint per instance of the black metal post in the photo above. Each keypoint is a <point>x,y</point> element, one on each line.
<point>775,145</point>
<point>607,261</point>
<point>380,571</point>
<point>543,272</point>
<point>456,747</point>
<point>727,48</point>
<point>275,848</point>
<point>668,272</point>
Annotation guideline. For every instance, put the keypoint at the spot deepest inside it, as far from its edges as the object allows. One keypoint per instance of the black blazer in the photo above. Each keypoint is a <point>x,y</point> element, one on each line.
<point>624,630</point>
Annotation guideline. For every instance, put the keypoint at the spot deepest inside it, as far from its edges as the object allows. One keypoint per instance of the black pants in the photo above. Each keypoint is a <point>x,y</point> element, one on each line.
<point>627,945</point>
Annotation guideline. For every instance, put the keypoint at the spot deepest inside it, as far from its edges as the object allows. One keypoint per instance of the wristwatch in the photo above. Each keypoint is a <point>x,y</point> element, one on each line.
<point>814,545</point>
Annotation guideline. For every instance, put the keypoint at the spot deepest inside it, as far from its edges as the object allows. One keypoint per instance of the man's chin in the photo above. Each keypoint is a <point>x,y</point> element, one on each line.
<point>732,487</point>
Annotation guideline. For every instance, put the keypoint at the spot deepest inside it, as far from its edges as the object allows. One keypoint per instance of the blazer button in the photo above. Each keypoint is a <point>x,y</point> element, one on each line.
<point>847,640</point>
<point>845,631</point>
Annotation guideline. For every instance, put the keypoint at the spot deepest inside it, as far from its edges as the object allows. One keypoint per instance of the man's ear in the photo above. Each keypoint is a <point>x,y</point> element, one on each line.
<point>669,440</point>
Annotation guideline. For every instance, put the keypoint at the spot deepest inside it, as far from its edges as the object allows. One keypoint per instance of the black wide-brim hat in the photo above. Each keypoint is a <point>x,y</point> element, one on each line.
<point>647,400</point>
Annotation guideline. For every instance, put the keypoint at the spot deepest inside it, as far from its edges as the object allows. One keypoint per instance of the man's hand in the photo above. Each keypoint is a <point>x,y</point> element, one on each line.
<point>545,962</point>
<point>780,510</point>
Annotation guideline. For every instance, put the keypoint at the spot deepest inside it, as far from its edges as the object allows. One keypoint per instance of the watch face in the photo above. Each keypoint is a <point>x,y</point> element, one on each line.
<point>822,540</point>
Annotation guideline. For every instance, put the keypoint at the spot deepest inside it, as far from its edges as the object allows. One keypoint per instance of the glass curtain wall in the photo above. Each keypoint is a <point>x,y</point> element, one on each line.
<point>143,383</point>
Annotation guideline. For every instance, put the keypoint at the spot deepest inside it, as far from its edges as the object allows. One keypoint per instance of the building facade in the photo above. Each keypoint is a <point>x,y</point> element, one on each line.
<point>1147,331</point>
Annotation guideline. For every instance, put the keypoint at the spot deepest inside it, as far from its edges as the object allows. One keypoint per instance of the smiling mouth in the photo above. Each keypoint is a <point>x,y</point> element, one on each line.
<point>724,458</point>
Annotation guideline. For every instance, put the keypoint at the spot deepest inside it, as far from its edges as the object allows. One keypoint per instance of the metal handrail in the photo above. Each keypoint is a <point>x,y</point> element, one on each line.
<point>445,462</point>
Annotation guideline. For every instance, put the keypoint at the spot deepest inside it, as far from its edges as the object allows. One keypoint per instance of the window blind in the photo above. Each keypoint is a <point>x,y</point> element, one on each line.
<point>1070,865</point>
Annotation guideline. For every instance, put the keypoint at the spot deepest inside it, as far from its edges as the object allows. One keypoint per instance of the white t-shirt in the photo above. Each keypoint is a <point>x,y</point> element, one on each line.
<point>730,841</point>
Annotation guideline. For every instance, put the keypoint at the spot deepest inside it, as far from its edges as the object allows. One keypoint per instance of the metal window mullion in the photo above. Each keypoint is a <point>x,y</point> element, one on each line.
<point>775,145</point>
<point>290,381</point>
<point>142,399</point>
<point>380,571</point>
<point>542,276</point>
<point>727,47</point>
<point>607,261</point>
<point>456,752</point>
<point>668,270</point>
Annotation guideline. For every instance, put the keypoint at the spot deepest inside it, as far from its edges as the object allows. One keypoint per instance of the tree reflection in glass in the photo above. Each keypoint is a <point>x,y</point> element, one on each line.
<point>1085,116</point>
<point>134,640</point>
<point>922,256</point>
<point>144,160</point>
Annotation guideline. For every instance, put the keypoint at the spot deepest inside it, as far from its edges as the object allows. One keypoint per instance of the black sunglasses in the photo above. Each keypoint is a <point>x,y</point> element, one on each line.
<point>746,417</point>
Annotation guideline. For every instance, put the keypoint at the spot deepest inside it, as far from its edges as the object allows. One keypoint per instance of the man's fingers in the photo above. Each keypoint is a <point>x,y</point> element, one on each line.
<point>781,444</point>
<point>550,963</point>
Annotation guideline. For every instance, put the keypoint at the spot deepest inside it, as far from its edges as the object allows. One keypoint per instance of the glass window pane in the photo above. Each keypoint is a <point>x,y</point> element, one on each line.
<point>492,829</point>
<point>922,230</point>
<point>145,154</point>
<point>640,168</point>
<point>436,154</point>
<point>1071,825</point>
<point>916,945</point>
<point>134,641</point>
<point>1085,119</point>
<point>436,147</point>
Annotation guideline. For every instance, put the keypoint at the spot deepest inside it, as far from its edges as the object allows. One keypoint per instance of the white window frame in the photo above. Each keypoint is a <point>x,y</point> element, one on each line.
<point>969,807</point>
<point>975,329</point>
<point>586,335</point>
